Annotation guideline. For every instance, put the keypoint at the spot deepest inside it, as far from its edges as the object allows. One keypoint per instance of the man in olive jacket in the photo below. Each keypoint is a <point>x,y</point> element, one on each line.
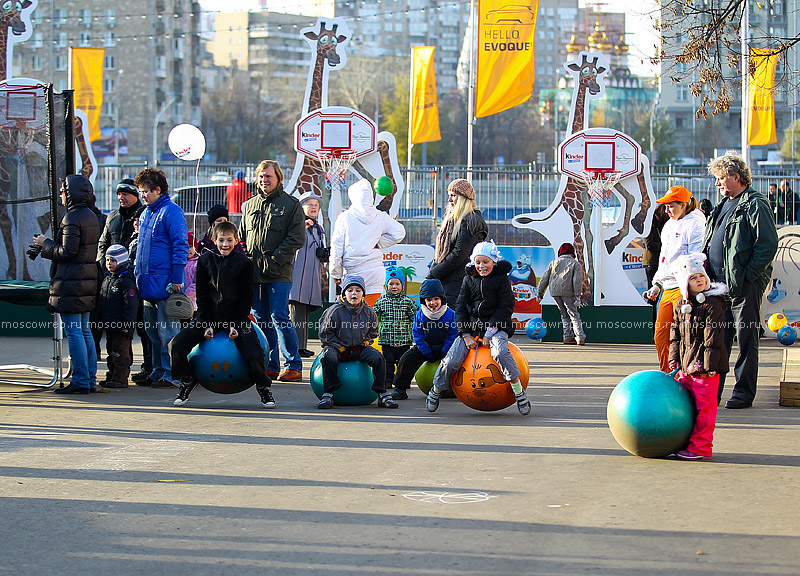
<point>741,241</point>
<point>273,229</point>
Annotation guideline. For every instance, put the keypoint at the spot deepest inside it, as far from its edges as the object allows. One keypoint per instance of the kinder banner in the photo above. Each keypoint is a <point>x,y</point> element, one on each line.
<point>505,55</point>
<point>87,81</point>
<point>424,101</point>
<point>761,119</point>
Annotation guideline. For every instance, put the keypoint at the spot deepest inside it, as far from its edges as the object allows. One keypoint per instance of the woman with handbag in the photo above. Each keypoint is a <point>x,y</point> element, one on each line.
<point>306,294</point>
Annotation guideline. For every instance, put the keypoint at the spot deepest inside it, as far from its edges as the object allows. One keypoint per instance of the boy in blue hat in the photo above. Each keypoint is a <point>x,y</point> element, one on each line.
<point>434,331</point>
<point>396,312</point>
<point>346,331</point>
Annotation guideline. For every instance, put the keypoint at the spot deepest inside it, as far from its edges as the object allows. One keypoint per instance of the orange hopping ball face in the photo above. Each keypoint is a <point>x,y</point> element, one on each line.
<point>480,383</point>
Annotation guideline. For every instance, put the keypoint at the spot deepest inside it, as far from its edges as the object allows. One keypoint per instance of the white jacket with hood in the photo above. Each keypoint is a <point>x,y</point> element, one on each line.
<point>360,234</point>
<point>679,237</point>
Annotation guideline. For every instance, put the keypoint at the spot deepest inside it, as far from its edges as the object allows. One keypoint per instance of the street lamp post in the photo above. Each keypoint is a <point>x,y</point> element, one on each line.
<point>652,136</point>
<point>159,118</point>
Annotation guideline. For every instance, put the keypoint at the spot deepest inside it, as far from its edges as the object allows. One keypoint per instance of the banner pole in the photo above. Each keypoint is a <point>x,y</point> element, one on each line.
<point>471,93</point>
<point>410,117</point>
<point>745,83</point>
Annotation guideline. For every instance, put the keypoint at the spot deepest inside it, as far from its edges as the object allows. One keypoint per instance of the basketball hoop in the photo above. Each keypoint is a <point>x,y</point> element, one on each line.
<point>599,185</point>
<point>335,163</point>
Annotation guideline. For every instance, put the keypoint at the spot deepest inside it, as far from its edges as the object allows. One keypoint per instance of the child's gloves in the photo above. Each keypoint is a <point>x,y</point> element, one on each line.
<point>491,331</point>
<point>653,293</point>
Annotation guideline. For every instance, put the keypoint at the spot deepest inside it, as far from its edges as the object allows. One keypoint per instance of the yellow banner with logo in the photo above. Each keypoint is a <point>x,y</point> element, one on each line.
<point>87,82</point>
<point>424,101</point>
<point>505,55</point>
<point>761,117</point>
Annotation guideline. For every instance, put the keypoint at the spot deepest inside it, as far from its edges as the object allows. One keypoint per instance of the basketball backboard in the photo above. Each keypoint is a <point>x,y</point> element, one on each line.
<point>21,104</point>
<point>335,128</point>
<point>600,150</point>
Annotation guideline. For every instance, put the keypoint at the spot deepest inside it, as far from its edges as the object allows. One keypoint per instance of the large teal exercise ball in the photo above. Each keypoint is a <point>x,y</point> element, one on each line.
<point>356,388</point>
<point>218,366</point>
<point>650,414</point>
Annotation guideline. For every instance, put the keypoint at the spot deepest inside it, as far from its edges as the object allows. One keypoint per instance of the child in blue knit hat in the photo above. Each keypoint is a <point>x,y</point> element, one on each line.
<point>396,313</point>
<point>483,317</point>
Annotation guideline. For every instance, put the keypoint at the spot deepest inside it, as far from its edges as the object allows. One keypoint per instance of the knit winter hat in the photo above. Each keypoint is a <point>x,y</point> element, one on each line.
<point>309,196</point>
<point>193,241</point>
<point>397,274</point>
<point>432,288</point>
<point>239,175</point>
<point>127,186</point>
<point>685,266</point>
<point>216,211</point>
<point>118,252</point>
<point>566,248</point>
<point>462,188</point>
<point>354,279</point>
<point>487,249</point>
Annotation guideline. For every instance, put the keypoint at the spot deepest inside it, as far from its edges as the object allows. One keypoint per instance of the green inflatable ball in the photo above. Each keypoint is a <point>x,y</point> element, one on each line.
<point>356,388</point>
<point>650,414</point>
<point>424,378</point>
<point>384,186</point>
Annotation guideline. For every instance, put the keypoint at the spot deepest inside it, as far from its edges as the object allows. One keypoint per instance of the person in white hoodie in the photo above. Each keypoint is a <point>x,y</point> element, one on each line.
<point>681,235</point>
<point>360,234</point>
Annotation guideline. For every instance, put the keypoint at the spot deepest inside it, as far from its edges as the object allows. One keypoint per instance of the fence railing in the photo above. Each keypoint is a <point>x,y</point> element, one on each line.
<point>501,192</point>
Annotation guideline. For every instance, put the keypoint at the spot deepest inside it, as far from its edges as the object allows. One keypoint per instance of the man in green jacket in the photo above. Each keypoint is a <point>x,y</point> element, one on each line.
<point>741,241</point>
<point>273,230</point>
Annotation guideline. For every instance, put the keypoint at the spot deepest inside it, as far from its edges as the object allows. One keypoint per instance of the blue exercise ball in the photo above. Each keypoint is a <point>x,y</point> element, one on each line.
<point>218,366</point>
<point>536,329</point>
<point>650,414</point>
<point>787,335</point>
<point>356,388</point>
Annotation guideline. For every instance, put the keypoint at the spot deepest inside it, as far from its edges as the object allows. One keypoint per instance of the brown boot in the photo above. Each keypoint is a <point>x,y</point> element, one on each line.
<point>569,341</point>
<point>290,375</point>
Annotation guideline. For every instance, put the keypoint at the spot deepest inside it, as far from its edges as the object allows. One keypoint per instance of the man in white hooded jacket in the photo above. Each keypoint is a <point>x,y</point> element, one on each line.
<point>359,236</point>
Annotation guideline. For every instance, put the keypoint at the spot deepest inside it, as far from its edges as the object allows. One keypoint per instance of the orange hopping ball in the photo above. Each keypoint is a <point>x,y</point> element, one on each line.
<point>480,383</point>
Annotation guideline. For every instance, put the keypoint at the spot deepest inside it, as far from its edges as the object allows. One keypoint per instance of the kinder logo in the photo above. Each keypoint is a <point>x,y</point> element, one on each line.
<point>309,135</point>
<point>573,158</point>
<point>182,152</point>
<point>523,292</point>
<point>635,258</point>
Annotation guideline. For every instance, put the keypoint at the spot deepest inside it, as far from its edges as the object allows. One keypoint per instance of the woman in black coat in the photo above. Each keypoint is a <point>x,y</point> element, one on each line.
<point>73,278</point>
<point>462,228</point>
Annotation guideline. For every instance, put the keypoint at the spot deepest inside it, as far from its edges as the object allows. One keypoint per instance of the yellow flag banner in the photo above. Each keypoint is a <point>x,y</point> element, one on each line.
<point>761,118</point>
<point>87,81</point>
<point>505,55</point>
<point>425,103</point>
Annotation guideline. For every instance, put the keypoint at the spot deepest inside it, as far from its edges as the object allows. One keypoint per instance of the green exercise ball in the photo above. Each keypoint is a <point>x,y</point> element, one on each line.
<point>650,414</point>
<point>356,388</point>
<point>424,379</point>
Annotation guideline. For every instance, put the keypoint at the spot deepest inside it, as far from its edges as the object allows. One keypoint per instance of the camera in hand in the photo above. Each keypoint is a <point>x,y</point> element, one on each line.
<point>33,251</point>
<point>323,253</point>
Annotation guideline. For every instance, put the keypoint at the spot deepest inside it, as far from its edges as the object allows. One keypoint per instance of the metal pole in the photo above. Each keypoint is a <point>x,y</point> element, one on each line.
<point>158,120</point>
<point>745,32</point>
<point>471,90</point>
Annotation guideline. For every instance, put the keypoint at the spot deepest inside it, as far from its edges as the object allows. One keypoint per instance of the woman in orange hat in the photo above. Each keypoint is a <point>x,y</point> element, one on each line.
<point>682,234</point>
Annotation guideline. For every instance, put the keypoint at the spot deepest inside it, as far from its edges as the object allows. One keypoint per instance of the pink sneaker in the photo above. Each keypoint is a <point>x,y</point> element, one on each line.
<point>686,455</point>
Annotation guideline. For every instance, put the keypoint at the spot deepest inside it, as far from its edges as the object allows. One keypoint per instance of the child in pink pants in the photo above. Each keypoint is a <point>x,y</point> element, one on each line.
<point>697,348</point>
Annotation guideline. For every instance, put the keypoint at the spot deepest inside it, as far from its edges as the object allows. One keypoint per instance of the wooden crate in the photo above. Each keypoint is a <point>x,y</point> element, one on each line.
<point>790,378</point>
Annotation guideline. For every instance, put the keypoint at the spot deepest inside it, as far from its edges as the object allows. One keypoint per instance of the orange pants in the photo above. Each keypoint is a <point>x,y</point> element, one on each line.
<point>664,317</point>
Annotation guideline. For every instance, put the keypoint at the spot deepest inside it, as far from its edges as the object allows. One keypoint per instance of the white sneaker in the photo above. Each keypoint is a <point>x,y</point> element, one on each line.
<point>432,403</point>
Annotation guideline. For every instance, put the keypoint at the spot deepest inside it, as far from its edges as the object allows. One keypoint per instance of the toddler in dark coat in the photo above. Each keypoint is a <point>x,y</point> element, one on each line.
<point>697,347</point>
<point>116,312</point>
<point>484,308</point>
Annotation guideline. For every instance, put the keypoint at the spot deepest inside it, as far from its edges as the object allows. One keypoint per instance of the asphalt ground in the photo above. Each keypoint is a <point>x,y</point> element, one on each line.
<point>124,483</point>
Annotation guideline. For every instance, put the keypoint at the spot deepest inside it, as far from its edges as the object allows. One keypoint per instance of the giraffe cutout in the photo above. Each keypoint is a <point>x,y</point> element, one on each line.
<point>13,29</point>
<point>571,212</point>
<point>328,41</point>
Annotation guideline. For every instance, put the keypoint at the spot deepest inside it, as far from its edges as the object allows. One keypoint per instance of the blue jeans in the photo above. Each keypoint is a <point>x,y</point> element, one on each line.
<point>161,329</point>
<point>271,310</point>
<point>81,349</point>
